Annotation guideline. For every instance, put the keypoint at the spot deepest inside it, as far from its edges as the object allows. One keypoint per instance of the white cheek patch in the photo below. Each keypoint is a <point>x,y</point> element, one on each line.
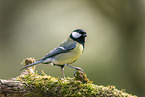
<point>76,35</point>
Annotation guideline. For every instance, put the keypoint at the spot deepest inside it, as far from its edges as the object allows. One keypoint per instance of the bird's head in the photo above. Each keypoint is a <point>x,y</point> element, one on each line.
<point>79,35</point>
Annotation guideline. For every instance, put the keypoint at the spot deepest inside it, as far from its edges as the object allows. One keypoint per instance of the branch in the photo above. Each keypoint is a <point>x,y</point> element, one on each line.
<point>29,83</point>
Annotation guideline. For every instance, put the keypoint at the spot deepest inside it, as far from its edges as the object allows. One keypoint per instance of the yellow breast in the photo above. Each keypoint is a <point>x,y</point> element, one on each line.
<point>68,57</point>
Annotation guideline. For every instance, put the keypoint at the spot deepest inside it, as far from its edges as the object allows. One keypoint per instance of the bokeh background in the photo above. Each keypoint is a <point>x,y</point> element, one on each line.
<point>115,48</point>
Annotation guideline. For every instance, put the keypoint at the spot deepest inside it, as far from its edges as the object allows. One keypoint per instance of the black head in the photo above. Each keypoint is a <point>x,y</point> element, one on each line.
<point>79,35</point>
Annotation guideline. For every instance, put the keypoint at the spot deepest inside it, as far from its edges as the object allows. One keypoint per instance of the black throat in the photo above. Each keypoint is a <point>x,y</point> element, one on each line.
<point>80,40</point>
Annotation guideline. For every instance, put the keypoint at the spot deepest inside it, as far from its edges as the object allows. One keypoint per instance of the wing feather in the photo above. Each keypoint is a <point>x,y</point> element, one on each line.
<point>65,47</point>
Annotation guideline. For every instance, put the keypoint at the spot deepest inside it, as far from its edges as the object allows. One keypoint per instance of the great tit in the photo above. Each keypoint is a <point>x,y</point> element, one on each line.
<point>66,53</point>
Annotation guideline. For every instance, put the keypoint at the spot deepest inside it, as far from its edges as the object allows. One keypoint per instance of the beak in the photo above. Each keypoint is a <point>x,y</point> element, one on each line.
<point>85,35</point>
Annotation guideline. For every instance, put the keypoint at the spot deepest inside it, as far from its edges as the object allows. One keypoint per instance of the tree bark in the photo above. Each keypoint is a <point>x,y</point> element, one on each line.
<point>30,84</point>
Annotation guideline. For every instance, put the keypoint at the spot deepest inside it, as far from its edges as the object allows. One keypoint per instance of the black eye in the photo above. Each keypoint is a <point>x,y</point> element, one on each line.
<point>82,33</point>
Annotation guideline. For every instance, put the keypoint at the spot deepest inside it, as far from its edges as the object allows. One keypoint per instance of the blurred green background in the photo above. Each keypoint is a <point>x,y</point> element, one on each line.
<point>115,48</point>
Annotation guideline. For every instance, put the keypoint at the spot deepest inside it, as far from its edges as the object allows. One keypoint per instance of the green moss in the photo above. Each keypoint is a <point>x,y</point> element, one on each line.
<point>79,86</point>
<point>47,86</point>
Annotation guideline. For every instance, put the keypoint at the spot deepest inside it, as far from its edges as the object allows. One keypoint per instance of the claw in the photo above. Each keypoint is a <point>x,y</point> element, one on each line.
<point>75,73</point>
<point>78,68</point>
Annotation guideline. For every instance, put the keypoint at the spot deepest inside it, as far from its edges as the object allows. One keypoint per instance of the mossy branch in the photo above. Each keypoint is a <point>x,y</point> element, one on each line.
<point>30,84</point>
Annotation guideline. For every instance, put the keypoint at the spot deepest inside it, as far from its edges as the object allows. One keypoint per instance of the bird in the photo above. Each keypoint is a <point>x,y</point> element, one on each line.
<point>66,53</point>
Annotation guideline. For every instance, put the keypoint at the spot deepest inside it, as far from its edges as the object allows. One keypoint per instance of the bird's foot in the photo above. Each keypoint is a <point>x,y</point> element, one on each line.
<point>78,68</point>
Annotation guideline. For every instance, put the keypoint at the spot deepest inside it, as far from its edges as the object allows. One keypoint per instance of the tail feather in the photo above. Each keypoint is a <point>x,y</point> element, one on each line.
<point>32,64</point>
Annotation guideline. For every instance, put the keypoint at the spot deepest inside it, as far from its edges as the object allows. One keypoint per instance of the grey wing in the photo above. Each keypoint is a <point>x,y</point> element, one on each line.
<point>61,49</point>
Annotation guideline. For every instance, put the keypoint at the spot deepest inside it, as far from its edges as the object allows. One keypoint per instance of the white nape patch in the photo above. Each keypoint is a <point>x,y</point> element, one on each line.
<point>76,34</point>
<point>62,48</point>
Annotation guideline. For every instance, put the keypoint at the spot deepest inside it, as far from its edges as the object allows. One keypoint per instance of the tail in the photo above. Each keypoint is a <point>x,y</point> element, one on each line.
<point>32,64</point>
